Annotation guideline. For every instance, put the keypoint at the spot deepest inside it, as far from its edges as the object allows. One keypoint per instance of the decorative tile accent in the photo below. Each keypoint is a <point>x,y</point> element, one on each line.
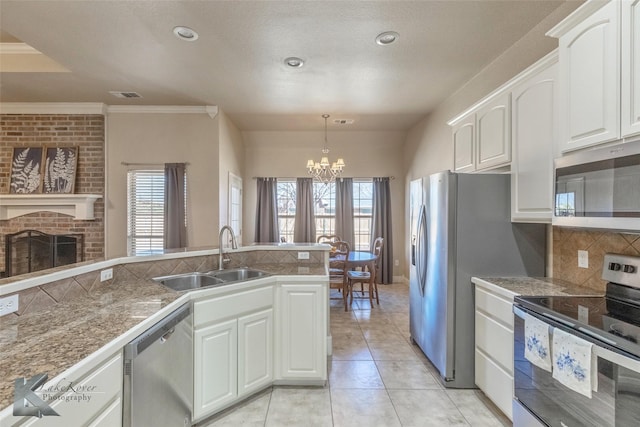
<point>57,289</point>
<point>568,241</point>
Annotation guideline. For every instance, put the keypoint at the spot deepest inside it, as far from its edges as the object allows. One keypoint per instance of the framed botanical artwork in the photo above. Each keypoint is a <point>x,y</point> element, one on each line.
<point>25,175</point>
<point>59,174</point>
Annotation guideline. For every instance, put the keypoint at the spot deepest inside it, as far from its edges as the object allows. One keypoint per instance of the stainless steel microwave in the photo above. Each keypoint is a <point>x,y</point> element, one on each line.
<point>599,188</point>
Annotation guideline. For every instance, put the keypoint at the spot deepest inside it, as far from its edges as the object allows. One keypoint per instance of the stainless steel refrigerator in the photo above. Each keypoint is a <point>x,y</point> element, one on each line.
<point>461,227</point>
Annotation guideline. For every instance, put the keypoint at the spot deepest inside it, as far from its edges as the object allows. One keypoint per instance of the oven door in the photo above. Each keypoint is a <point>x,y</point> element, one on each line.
<point>599,188</point>
<point>616,401</point>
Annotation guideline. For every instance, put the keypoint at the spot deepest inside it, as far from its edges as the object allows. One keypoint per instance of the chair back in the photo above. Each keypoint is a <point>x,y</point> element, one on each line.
<point>341,247</point>
<point>328,238</point>
<point>378,244</point>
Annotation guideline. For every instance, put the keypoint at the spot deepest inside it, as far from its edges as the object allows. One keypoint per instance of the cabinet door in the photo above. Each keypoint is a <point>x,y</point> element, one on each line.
<point>302,352</point>
<point>215,367</point>
<point>630,67</point>
<point>464,145</point>
<point>590,80</point>
<point>255,350</point>
<point>493,134</point>
<point>534,135</point>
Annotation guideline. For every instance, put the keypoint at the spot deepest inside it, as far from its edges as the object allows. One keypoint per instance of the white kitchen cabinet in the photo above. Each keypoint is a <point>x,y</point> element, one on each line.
<point>630,24</point>
<point>215,367</point>
<point>233,348</point>
<point>255,351</point>
<point>464,137</point>
<point>589,76</point>
<point>534,138</point>
<point>493,124</point>
<point>97,399</point>
<point>494,344</point>
<point>302,332</point>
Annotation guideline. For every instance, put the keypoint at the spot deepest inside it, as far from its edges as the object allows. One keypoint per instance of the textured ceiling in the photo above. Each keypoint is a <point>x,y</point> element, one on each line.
<point>237,62</point>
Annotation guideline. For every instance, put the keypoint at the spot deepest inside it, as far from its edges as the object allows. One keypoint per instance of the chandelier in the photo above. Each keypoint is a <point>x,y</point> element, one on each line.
<point>324,171</point>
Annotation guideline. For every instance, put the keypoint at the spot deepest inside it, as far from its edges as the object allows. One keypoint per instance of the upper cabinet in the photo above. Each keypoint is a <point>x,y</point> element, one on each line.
<point>599,74</point>
<point>630,67</point>
<point>481,137</point>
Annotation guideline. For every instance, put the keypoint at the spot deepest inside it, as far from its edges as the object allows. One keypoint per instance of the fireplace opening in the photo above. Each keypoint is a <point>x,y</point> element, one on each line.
<point>31,250</point>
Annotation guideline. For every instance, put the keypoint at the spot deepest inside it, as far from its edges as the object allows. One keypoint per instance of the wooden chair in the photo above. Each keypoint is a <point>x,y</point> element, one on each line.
<point>368,275</point>
<point>337,274</point>
<point>328,238</point>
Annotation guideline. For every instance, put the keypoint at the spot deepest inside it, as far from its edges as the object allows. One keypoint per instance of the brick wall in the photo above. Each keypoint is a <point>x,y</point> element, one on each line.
<point>87,132</point>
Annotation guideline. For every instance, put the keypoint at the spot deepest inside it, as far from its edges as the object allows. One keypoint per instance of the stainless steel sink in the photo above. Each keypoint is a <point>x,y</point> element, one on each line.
<point>238,274</point>
<point>188,281</point>
<point>183,282</point>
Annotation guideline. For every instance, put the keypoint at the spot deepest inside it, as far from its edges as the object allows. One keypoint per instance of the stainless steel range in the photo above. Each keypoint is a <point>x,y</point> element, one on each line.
<point>590,377</point>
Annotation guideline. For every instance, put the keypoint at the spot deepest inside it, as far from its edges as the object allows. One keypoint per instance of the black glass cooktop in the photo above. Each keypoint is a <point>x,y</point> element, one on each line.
<point>613,321</point>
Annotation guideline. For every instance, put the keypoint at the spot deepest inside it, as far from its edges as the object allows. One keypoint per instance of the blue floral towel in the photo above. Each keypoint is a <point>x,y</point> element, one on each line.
<point>536,342</point>
<point>572,362</point>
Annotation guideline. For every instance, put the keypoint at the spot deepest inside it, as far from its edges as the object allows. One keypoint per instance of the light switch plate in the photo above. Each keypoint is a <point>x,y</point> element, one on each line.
<point>583,259</point>
<point>303,255</point>
<point>8,305</point>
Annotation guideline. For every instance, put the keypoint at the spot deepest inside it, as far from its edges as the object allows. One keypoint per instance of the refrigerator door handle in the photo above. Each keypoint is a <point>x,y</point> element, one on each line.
<point>421,245</point>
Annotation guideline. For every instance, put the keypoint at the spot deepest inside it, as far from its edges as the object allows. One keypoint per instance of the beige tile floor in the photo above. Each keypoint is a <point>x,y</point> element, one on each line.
<point>376,378</point>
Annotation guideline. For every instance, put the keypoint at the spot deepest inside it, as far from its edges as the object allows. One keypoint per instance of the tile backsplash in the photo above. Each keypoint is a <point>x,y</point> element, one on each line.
<point>568,241</point>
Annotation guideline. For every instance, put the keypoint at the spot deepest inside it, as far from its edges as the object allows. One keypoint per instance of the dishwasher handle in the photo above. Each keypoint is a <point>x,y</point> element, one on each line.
<point>160,331</point>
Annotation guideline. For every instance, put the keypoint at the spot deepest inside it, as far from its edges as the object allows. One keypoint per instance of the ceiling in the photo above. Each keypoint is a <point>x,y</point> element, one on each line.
<point>237,61</point>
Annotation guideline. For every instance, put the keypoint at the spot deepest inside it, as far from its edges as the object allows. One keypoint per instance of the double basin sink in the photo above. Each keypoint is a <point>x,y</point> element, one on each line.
<point>189,281</point>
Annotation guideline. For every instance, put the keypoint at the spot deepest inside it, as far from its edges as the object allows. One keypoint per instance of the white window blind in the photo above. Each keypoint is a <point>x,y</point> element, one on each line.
<point>145,234</point>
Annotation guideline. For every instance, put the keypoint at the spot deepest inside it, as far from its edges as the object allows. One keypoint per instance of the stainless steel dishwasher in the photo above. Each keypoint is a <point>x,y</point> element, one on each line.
<point>158,373</point>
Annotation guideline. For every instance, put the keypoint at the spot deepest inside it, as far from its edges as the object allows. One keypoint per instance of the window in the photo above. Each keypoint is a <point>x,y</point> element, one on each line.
<point>145,212</point>
<point>324,196</point>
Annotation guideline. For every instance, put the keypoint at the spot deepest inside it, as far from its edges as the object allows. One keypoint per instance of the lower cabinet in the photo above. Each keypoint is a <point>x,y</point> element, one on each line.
<point>233,348</point>
<point>302,332</point>
<point>95,400</point>
<point>494,346</point>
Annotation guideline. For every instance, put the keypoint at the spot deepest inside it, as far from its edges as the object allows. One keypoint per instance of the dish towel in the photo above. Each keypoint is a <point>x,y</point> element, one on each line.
<point>536,338</point>
<point>573,363</point>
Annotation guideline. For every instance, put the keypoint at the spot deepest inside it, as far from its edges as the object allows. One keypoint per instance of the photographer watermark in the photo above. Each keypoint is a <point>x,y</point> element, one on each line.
<point>31,398</point>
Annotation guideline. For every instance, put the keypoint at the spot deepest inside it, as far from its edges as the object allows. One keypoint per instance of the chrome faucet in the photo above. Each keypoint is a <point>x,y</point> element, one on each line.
<point>234,245</point>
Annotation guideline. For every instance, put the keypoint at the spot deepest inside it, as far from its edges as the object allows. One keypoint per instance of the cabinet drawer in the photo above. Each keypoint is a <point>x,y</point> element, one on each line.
<point>495,383</point>
<point>495,306</point>
<point>96,393</point>
<point>495,340</point>
<point>231,305</point>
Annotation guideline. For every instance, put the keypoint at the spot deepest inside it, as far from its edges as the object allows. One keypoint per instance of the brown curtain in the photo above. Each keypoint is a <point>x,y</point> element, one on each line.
<point>344,210</point>
<point>381,226</point>
<point>175,228</point>
<point>304,228</point>
<point>267,211</point>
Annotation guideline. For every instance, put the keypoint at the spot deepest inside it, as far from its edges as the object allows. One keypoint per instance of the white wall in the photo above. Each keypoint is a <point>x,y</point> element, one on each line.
<point>284,154</point>
<point>163,138</point>
<point>429,145</point>
<point>231,155</point>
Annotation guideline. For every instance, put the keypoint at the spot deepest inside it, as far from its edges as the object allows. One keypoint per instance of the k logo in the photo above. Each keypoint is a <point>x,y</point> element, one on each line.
<point>24,392</point>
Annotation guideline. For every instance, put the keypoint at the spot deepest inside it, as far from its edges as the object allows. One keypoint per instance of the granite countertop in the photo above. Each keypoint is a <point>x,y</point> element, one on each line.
<point>54,340</point>
<point>539,286</point>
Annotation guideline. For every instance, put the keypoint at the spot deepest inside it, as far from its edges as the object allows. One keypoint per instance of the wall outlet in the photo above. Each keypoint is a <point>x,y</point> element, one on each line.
<point>106,274</point>
<point>8,305</point>
<point>303,255</point>
<point>583,259</point>
<point>396,262</point>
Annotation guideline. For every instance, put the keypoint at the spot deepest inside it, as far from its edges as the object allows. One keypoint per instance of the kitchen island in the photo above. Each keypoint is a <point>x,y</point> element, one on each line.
<point>69,339</point>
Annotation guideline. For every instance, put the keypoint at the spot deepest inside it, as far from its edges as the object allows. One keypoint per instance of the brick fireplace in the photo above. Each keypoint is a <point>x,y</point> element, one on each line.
<point>87,132</point>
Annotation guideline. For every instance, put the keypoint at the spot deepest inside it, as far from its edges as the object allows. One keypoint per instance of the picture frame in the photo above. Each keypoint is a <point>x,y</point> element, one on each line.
<point>59,169</point>
<point>25,175</point>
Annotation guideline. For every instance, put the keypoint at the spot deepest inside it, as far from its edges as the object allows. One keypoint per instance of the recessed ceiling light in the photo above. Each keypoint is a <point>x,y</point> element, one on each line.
<point>185,33</point>
<point>293,62</point>
<point>387,37</point>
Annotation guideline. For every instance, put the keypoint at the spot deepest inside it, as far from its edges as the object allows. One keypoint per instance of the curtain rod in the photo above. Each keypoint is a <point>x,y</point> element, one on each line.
<point>288,177</point>
<point>149,164</point>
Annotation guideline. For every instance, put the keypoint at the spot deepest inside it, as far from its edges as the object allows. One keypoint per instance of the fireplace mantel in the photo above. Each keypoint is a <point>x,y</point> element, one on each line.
<point>79,206</point>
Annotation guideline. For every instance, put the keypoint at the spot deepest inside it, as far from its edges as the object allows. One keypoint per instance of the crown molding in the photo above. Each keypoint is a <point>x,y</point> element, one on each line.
<point>210,110</point>
<point>53,108</point>
<point>577,16</point>
<point>17,49</point>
